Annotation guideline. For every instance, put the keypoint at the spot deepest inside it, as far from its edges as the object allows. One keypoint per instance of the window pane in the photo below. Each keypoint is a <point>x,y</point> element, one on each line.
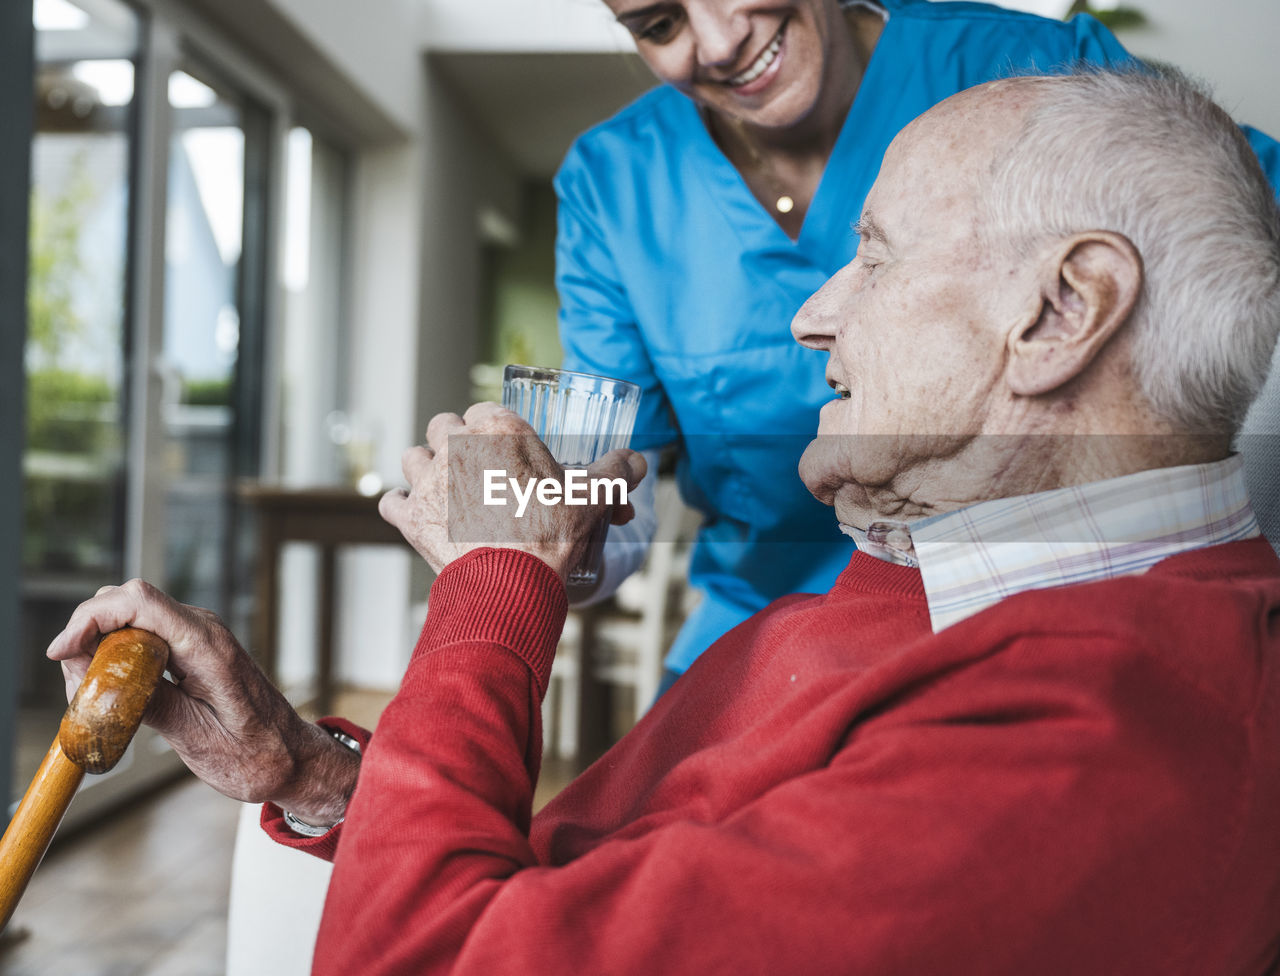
<point>209,155</point>
<point>73,466</point>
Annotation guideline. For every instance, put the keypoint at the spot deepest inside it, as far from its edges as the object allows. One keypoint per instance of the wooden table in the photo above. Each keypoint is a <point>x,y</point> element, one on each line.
<point>328,518</point>
<point>333,517</point>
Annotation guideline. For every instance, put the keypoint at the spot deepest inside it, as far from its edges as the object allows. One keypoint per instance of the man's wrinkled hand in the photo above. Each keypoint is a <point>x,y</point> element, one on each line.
<point>443,514</point>
<point>220,713</point>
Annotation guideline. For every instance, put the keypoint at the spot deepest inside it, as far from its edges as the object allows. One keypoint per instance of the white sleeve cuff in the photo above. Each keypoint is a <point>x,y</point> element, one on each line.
<point>626,545</point>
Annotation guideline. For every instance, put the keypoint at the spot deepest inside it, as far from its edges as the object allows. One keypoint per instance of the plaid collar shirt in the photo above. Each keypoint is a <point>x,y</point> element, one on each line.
<point>976,556</point>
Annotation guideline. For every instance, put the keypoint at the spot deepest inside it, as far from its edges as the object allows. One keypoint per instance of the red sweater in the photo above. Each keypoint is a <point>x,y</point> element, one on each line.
<point>1083,780</point>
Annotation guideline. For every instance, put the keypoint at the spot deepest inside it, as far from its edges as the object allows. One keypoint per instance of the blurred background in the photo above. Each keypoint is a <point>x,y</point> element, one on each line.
<point>261,243</point>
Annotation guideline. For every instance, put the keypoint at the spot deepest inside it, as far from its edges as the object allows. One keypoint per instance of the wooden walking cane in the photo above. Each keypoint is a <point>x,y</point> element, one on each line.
<point>95,731</point>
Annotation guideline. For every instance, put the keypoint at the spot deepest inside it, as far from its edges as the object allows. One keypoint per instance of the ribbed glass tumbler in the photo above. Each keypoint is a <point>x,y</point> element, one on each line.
<point>580,417</point>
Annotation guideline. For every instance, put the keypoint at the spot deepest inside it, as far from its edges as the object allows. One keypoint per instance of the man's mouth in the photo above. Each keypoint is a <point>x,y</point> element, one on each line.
<point>842,391</point>
<point>760,64</point>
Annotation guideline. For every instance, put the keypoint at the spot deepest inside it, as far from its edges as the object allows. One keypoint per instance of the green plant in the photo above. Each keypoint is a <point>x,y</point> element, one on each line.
<point>207,392</point>
<point>72,466</point>
<point>55,266</point>
<point>1115,18</point>
<point>69,412</point>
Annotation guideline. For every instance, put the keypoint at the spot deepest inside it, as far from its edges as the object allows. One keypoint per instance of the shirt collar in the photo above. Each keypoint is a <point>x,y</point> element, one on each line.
<point>978,555</point>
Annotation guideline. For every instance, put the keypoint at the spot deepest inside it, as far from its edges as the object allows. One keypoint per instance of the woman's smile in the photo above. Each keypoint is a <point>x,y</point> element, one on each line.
<point>757,76</point>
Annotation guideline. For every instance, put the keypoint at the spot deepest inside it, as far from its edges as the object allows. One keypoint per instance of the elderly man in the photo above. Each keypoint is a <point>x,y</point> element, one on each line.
<point>1033,728</point>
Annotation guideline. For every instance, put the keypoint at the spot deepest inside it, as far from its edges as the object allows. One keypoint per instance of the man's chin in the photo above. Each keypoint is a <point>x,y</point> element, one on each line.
<point>837,466</point>
<point>817,472</point>
<point>852,507</point>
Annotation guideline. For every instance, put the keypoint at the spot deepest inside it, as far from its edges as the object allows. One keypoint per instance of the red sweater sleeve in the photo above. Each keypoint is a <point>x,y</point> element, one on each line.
<point>1001,814</point>
<point>440,816</point>
<point>326,845</point>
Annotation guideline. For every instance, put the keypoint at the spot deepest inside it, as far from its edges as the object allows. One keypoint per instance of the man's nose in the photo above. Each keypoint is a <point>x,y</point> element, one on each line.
<point>816,323</point>
<point>719,29</point>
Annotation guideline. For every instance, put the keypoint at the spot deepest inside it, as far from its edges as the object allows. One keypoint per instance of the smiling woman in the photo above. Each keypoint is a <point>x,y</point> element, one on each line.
<point>696,222</point>
<point>784,75</point>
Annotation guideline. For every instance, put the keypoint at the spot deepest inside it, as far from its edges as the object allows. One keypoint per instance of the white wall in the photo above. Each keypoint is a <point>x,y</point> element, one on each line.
<point>308,379</point>
<point>374,45</point>
<point>415,330</point>
<point>462,174</point>
<point>372,632</point>
<point>376,361</point>
<point>413,317</point>
<point>1228,43</point>
<point>521,25</point>
<point>373,42</point>
<point>415,336</point>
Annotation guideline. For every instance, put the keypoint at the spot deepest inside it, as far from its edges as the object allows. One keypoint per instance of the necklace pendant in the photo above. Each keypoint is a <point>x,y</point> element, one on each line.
<point>785,204</point>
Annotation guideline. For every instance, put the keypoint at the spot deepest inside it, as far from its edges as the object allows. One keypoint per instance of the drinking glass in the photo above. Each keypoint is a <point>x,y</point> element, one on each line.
<point>580,417</point>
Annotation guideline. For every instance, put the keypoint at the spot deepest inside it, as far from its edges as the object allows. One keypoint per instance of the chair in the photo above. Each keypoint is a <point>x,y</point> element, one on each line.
<point>277,895</point>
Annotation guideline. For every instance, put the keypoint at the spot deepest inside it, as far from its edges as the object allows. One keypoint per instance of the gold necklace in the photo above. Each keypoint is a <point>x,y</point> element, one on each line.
<point>783,202</point>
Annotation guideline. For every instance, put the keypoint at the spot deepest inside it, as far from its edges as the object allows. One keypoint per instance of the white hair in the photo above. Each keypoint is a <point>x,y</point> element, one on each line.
<point>1145,153</point>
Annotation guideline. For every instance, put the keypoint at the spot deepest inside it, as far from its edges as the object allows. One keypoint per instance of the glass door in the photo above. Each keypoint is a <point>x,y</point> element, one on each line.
<point>78,299</point>
<point>211,352</point>
<point>144,354</point>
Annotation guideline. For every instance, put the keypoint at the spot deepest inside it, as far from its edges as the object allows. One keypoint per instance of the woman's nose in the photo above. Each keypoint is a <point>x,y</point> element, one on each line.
<point>719,30</point>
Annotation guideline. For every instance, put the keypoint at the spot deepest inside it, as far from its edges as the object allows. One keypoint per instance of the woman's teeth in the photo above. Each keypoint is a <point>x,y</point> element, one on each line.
<point>762,62</point>
<point>842,391</point>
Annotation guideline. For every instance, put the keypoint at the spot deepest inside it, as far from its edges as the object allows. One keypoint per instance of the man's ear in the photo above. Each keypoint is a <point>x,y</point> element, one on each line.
<point>1089,286</point>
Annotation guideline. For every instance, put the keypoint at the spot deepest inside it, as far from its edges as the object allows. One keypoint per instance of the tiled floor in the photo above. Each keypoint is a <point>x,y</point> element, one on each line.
<point>145,894</point>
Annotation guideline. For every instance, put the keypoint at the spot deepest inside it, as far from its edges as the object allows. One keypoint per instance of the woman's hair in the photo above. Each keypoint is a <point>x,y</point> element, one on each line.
<point>1144,152</point>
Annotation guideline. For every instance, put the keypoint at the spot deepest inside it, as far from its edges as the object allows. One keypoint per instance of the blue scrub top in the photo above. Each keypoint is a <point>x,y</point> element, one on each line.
<point>672,275</point>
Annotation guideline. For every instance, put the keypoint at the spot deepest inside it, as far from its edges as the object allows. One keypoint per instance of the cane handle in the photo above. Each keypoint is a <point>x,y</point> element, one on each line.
<point>95,732</point>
